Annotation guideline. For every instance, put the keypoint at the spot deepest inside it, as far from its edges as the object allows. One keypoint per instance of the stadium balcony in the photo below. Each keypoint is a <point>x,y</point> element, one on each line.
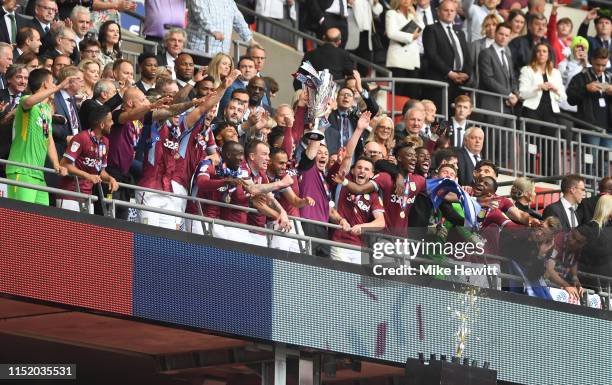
<point>166,306</point>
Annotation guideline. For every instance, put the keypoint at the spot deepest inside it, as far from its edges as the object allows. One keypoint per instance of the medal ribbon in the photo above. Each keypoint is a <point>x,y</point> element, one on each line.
<point>100,150</point>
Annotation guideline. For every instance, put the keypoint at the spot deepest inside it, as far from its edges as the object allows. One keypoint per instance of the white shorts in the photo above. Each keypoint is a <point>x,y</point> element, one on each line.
<point>239,235</point>
<point>288,244</point>
<point>158,201</point>
<point>72,205</point>
<point>345,255</point>
<point>180,204</point>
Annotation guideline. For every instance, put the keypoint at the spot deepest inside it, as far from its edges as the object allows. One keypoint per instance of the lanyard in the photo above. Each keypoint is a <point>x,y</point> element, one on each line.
<point>100,149</point>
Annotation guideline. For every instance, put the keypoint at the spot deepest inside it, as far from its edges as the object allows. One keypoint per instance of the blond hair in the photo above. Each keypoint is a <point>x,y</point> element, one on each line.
<point>521,187</point>
<point>213,67</point>
<point>603,210</point>
<point>377,122</point>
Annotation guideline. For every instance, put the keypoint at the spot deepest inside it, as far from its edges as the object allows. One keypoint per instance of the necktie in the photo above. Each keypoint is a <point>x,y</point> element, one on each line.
<point>425,18</point>
<point>457,60</point>
<point>572,217</point>
<point>46,29</point>
<point>476,159</point>
<point>13,27</point>
<point>342,10</point>
<point>606,44</point>
<point>458,138</point>
<point>504,62</point>
<point>74,121</point>
<point>13,102</point>
<point>344,125</point>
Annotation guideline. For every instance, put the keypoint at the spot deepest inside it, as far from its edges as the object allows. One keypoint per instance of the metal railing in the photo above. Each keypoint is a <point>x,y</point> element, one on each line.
<point>378,70</point>
<point>422,82</point>
<point>147,46</point>
<point>211,222</point>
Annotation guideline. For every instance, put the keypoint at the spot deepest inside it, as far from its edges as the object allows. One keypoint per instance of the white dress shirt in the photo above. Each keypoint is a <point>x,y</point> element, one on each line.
<point>473,157</point>
<point>335,7</point>
<point>566,207</point>
<point>453,36</point>
<point>426,12</point>
<point>458,136</point>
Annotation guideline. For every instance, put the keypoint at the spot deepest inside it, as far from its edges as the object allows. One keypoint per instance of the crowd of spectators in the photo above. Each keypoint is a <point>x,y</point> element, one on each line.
<point>71,100</point>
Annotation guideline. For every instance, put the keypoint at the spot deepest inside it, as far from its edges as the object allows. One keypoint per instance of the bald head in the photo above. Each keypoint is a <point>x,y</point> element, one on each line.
<point>134,98</point>
<point>333,35</point>
<point>373,150</point>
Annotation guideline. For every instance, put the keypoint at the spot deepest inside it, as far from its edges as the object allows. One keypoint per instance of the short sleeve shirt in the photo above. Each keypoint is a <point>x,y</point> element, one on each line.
<point>88,154</point>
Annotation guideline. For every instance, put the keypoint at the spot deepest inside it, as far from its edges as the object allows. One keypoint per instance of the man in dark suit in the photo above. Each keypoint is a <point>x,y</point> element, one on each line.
<point>28,40</point>
<point>330,14</point>
<point>65,105</point>
<point>44,15</point>
<point>602,29</point>
<point>522,46</point>
<point>104,93</point>
<point>174,42</point>
<point>65,44</point>
<point>329,56</point>
<point>447,53</point>
<point>586,208</point>
<point>6,59</point>
<point>585,91</point>
<point>470,154</point>
<point>343,122</point>
<point>17,81</point>
<point>10,22</point>
<point>566,208</point>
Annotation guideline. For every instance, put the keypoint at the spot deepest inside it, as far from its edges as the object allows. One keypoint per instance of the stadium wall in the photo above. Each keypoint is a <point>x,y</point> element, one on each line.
<point>198,282</point>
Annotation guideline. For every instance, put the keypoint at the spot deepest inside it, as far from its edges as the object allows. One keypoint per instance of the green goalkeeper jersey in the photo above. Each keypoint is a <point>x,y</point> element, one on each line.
<point>31,132</point>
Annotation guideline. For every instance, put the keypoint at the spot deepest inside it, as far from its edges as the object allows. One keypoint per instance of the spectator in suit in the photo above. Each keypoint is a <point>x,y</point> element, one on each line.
<point>403,54</point>
<point>65,44</point>
<point>329,56</point>
<point>10,22</point>
<point>603,28</point>
<point>413,124</point>
<point>185,70</point>
<point>447,53</point>
<point>591,91</point>
<point>104,92</point>
<point>496,74</point>
<point>28,40</point>
<point>110,39</point>
<point>6,59</point>
<point>147,62</point>
<point>470,154</point>
<point>174,43</point>
<point>573,192</point>
<point>45,12</point>
<point>363,99</point>
<point>330,14</point>
<point>458,123</point>
<point>90,49</point>
<point>66,106</point>
<point>343,122</point>
<point>489,26</point>
<point>522,47</point>
<point>587,205</point>
<point>59,62</point>
<point>17,81</point>
<point>80,17</point>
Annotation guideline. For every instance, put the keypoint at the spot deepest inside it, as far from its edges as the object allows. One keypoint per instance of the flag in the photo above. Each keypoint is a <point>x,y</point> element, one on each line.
<point>439,188</point>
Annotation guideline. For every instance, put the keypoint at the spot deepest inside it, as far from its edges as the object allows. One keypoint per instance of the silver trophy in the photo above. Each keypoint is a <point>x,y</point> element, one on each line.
<point>321,90</point>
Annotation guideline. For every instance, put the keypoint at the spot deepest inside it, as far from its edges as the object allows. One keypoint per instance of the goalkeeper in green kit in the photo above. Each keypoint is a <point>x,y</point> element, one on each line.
<point>32,138</point>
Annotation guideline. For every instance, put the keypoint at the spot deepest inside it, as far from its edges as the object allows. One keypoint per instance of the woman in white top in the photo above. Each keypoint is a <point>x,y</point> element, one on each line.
<point>541,88</point>
<point>359,42</point>
<point>282,11</point>
<point>403,57</point>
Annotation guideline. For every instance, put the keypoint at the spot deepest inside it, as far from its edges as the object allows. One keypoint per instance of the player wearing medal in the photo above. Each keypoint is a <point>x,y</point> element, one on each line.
<point>398,193</point>
<point>85,157</point>
<point>289,198</point>
<point>33,140</point>
<point>258,157</point>
<point>228,182</point>
<point>162,159</point>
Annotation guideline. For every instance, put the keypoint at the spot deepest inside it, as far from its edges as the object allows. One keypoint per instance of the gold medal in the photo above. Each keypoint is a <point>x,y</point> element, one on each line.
<point>177,155</point>
<point>402,214</point>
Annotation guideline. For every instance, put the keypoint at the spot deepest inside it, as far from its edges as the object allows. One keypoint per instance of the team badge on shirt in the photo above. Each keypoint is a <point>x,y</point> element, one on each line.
<point>75,146</point>
<point>413,186</point>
